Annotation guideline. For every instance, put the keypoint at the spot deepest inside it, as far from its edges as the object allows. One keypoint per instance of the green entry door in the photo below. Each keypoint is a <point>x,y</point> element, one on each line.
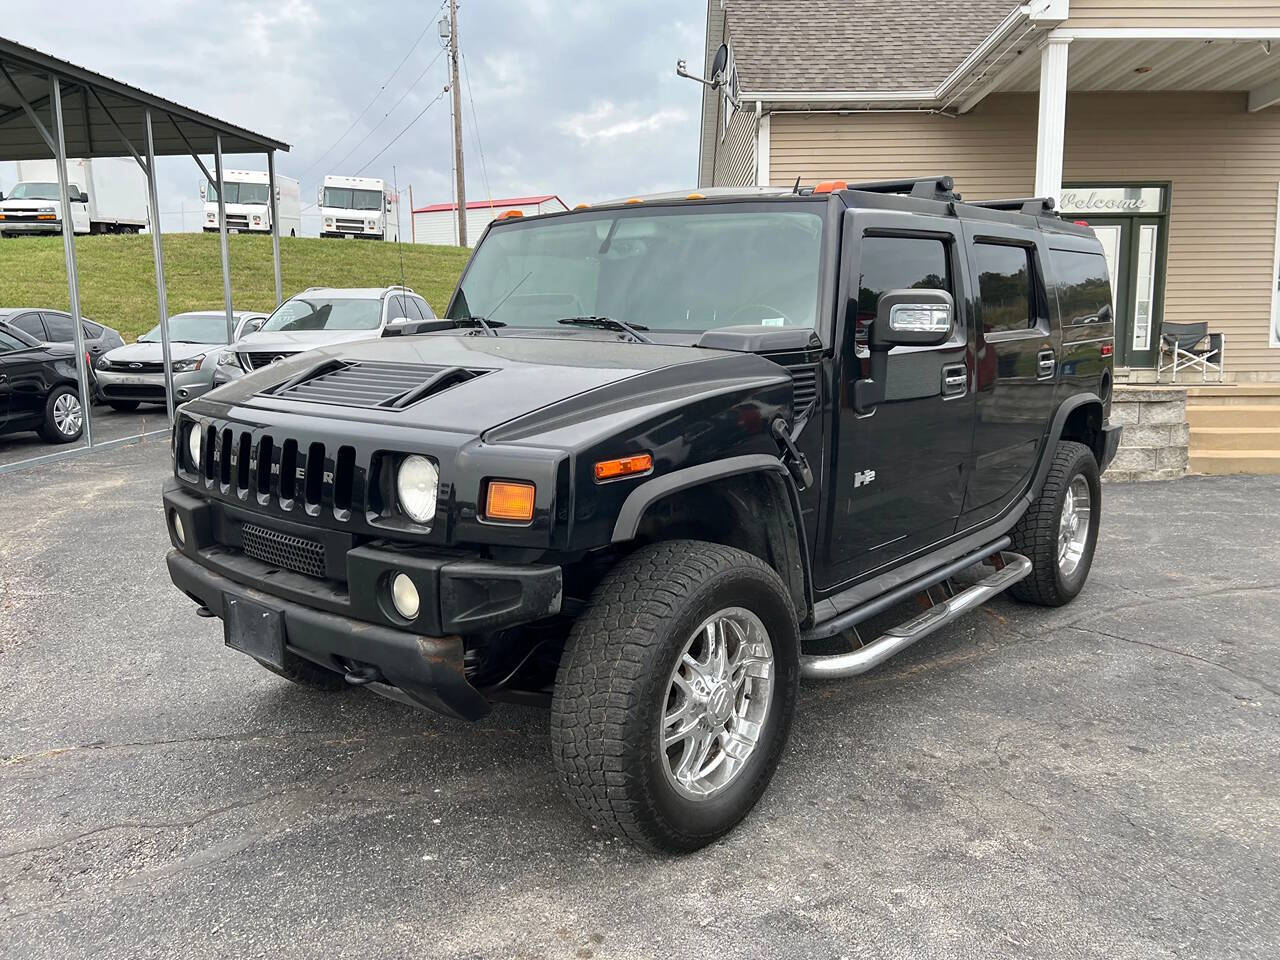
<point>1134,249</point>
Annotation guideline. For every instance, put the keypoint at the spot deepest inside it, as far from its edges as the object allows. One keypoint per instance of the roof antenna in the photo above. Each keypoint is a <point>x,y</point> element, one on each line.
<point>796,188</point>
<point>399,249</point>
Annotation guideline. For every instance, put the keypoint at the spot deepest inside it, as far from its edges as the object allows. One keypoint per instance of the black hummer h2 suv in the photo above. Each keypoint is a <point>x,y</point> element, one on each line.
<point>662,459</point>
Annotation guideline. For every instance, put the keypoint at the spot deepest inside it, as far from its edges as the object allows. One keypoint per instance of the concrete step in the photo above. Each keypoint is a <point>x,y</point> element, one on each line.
<point>1257,415</point>
<point>1204,439</point>
<point>1245,394</point>
<point>1236,461</point>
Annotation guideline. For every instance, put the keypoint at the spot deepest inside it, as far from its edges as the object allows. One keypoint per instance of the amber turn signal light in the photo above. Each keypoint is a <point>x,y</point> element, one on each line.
<point>509,500</point>
<point>830,186</point>
<point>623,467</point>
<point>511,215</point>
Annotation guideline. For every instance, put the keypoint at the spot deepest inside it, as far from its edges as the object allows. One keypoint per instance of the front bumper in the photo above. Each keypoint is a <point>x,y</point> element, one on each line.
<point>149,387</point>
<point>16,227</point>
<point>346,620</point>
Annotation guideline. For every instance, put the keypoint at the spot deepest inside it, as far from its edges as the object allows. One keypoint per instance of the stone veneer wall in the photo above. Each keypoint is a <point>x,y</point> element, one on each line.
<point>1153,445</point>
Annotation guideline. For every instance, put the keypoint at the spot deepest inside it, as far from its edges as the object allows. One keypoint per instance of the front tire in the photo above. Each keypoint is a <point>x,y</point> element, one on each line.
<point>63,416</point>
<point>674,696</point>
<point>1059,531</point>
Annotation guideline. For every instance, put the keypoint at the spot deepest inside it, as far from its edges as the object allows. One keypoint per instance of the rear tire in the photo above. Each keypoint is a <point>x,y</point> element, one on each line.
<point>124,406</point>
<point>675,693</point>
<point>1049,533</point>
<point>63,416</point>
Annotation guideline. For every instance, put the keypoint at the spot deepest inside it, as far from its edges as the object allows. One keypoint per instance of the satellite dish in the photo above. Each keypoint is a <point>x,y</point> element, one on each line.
<point>720,64</point>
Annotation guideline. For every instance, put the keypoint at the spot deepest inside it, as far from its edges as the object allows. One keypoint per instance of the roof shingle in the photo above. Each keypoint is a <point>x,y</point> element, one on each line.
<point>865,45</point>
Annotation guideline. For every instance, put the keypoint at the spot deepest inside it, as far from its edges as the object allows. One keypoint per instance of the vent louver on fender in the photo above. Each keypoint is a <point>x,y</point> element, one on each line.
<point>371,384</point>
<point>804,378</point>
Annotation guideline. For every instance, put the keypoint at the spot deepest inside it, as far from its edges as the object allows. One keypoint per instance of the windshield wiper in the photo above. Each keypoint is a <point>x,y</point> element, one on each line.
<point>608,323</point>
<point>483,323</point>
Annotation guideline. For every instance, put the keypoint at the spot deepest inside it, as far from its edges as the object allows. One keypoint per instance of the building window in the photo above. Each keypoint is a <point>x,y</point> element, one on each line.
<point>1007,287</point>
<point>1275,284</point>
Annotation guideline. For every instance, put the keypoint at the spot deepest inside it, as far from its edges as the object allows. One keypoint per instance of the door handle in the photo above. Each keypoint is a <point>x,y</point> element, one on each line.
<point>955,380</point>
<point>1046,364</point>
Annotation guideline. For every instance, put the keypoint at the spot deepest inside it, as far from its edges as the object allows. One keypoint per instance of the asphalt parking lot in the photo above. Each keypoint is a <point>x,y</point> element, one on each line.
<point>1097,781</point>
<point>108,425</point>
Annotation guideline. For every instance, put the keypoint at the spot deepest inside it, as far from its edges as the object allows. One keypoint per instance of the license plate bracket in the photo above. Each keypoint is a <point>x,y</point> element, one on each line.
<point>255,629</point>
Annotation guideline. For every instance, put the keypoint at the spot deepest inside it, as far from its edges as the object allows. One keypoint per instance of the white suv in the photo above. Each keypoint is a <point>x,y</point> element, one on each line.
<point>321,316</point>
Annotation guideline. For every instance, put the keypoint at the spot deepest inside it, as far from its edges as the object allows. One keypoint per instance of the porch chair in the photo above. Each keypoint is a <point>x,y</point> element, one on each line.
<point>1190,345</point>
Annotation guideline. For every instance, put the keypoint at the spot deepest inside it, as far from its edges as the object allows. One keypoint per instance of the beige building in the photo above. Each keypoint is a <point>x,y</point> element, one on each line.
<point>1157,123</point>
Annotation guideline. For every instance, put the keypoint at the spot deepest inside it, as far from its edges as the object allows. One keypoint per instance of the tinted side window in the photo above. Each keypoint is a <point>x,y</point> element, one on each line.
<point>898,263</point>
<point>1084,286</point>
<point>396,308</point>
<point>423,307</point>
<point>60,327</point>
<point>92,330</point>
<point>29,323</point>
<point>8,343</point>
<point>1007,287</point>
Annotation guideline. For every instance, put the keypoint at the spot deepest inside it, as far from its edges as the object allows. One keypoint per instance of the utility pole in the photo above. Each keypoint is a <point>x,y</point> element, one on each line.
<point>457,123</point>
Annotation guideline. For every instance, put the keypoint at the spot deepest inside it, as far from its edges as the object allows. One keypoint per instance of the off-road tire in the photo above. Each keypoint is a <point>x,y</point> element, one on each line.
<point>1036,535</point>
<point>612,684</point>
<point>124,406</point>
<point>304,673</point>
<point>48,428</point>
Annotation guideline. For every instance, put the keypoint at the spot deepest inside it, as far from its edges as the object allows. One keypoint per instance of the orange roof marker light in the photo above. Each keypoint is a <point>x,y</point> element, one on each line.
<point>830,186</point>
<point>509,500</point>
<point>635,200</point>
<point>696,196</point>
<point>624,467</point>
<point>511,215</point>
<point>583,206</point>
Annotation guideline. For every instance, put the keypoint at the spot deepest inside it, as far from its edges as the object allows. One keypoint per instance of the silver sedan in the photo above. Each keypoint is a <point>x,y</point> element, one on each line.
<point>134,373</point>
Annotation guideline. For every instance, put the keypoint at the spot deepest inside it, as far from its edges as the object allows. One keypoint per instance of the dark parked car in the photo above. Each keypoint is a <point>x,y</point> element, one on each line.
<point>56,326</point>
<point>664,458</point>
<point>38,389</point>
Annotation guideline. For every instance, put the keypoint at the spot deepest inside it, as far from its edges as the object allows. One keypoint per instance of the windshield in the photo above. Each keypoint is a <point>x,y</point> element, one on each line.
<point>239,193</point>
<point>191,328</point>
<point>350,199</point>
<point>682,271</point>
<point>303,313</point>
<point>35,191</point>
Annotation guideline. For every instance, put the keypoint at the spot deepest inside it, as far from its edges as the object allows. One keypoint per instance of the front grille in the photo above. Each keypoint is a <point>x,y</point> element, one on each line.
<point>137,366</point>
<point>363,383</point>
<point>258,360</point>
<point>350,224</point>
<point>235,221</point>
<point>804,379</point>
<point>257,465</point>
<point>283,550</point>
<point>133,391</point>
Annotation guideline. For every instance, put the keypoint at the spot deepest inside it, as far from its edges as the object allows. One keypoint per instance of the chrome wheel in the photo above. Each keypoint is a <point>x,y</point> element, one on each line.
<point>67,415</point>
<point>1073,527</point>
<point>717,702</point>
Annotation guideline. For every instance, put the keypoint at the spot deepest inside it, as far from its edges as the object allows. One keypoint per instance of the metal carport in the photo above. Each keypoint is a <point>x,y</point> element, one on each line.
<point>48,105</point>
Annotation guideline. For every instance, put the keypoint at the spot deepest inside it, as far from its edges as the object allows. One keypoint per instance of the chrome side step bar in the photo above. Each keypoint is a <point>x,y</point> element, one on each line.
<point>897,639</point>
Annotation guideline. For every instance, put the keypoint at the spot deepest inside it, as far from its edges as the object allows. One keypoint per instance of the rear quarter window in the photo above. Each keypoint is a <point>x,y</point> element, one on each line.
<point>1084,286</point>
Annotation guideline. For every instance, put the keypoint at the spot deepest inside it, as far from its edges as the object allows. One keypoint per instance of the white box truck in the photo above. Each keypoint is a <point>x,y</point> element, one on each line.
<point>248,206</point>
<point>358,207</point>
<point>108,195</point>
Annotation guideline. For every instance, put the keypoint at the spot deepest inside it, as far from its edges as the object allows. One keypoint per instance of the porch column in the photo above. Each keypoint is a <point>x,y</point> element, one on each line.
<point>1053,117</point>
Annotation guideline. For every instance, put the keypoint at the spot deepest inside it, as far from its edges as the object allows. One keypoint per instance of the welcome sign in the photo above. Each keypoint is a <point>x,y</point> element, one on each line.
<point>1116,201</point>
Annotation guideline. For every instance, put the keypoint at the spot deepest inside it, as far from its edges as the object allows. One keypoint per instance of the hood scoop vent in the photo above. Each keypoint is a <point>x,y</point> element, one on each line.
<point>372,384</point>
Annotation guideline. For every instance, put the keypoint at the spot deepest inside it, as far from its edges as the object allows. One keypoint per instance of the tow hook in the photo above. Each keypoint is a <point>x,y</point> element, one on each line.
<point>203,611</point>
<point>797,463</point>
<point>361,676</point>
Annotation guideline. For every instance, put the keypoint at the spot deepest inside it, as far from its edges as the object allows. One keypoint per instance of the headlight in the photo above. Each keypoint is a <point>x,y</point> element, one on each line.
<point>417,481</point>
<point>186,366</point>
<point>228,359</point>
<point>46,210</point>
<point>103,363</point>
<point>371,224</point>
<point>194,437</point>
<point>211,218</point>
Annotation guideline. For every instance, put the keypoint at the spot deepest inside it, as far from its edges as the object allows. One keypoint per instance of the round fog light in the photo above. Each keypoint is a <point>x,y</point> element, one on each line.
<point>405,596</point>
<point>177,528</point>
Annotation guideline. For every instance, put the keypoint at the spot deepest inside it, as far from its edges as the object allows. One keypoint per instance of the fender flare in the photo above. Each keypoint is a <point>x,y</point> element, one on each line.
<point>1065,409</point>
<point>627,525</point>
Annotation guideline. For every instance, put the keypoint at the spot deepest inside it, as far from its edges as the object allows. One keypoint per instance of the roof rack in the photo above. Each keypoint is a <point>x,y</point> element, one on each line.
<point>929,188</point>
<point>1034,206</point>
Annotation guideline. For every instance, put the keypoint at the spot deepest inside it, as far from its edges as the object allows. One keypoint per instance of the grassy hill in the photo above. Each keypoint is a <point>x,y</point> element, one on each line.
<point>117,276</point>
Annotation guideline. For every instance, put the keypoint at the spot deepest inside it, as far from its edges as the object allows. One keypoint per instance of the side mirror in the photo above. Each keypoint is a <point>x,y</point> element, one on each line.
<point>84,197</point>
<point>913,318</point>
<point>251,326</point>
<point>903,318</point>
<point>203,191</point>
<point>320,196</point>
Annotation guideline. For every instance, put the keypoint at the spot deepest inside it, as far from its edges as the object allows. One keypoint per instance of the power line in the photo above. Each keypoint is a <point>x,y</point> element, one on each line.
<point>403,132</point>
<point>430,23</point>
<point>475,129</point>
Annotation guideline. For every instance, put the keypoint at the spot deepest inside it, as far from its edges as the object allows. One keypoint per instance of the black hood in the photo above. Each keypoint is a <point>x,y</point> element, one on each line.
<point>518,386</point>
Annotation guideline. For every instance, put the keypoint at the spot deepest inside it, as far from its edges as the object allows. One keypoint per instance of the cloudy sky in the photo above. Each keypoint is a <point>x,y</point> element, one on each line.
<point>573,97</point>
